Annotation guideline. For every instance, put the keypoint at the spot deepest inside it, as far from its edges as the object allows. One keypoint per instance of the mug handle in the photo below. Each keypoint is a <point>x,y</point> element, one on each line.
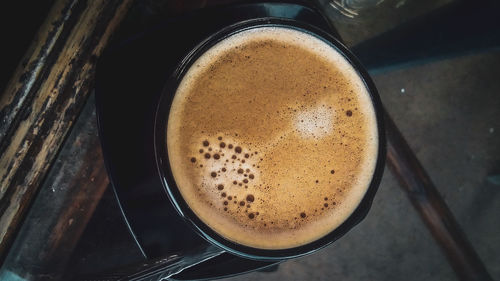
<point>161,268</point>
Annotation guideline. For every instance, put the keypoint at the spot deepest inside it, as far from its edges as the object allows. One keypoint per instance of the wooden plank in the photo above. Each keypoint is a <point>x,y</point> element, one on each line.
<point>45,95</point>
<point>431,207</point>
<point>66,201</point>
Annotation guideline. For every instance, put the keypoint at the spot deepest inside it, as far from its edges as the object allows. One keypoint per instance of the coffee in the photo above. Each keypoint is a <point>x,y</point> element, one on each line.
<point>272,138</point>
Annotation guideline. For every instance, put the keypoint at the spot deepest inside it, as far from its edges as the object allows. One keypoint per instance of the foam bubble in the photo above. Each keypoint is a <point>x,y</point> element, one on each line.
<point>250,198</point>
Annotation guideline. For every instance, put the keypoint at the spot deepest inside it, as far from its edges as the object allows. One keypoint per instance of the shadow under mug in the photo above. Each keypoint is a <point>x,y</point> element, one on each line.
<point>217,243</point>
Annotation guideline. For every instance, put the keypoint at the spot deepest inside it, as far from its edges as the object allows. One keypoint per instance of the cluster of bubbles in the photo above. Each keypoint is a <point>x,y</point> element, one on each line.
<point>229,173</point>
<point>233,171</point>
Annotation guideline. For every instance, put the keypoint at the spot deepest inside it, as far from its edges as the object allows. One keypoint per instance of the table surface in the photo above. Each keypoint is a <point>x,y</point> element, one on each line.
<point>69,223</point>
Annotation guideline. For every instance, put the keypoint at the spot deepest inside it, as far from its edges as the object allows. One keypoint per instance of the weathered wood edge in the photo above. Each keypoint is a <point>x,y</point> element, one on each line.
<point>64,205</point>
<point>47,109</point>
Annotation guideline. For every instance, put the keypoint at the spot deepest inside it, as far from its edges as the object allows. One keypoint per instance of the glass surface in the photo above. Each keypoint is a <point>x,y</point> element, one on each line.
<point>374,17</point>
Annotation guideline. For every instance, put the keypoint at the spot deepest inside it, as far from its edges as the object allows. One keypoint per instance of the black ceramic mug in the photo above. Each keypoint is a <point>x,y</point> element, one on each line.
<point>220,243</point>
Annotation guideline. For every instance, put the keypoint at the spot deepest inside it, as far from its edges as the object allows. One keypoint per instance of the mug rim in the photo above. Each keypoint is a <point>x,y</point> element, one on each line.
<point>163,163</point>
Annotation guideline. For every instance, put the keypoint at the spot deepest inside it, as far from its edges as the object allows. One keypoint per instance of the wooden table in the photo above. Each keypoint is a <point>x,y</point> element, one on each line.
<point>50,150</point>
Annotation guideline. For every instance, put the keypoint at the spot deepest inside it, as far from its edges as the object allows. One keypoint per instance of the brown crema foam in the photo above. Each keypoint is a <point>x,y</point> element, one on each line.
<point>272,138</point>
